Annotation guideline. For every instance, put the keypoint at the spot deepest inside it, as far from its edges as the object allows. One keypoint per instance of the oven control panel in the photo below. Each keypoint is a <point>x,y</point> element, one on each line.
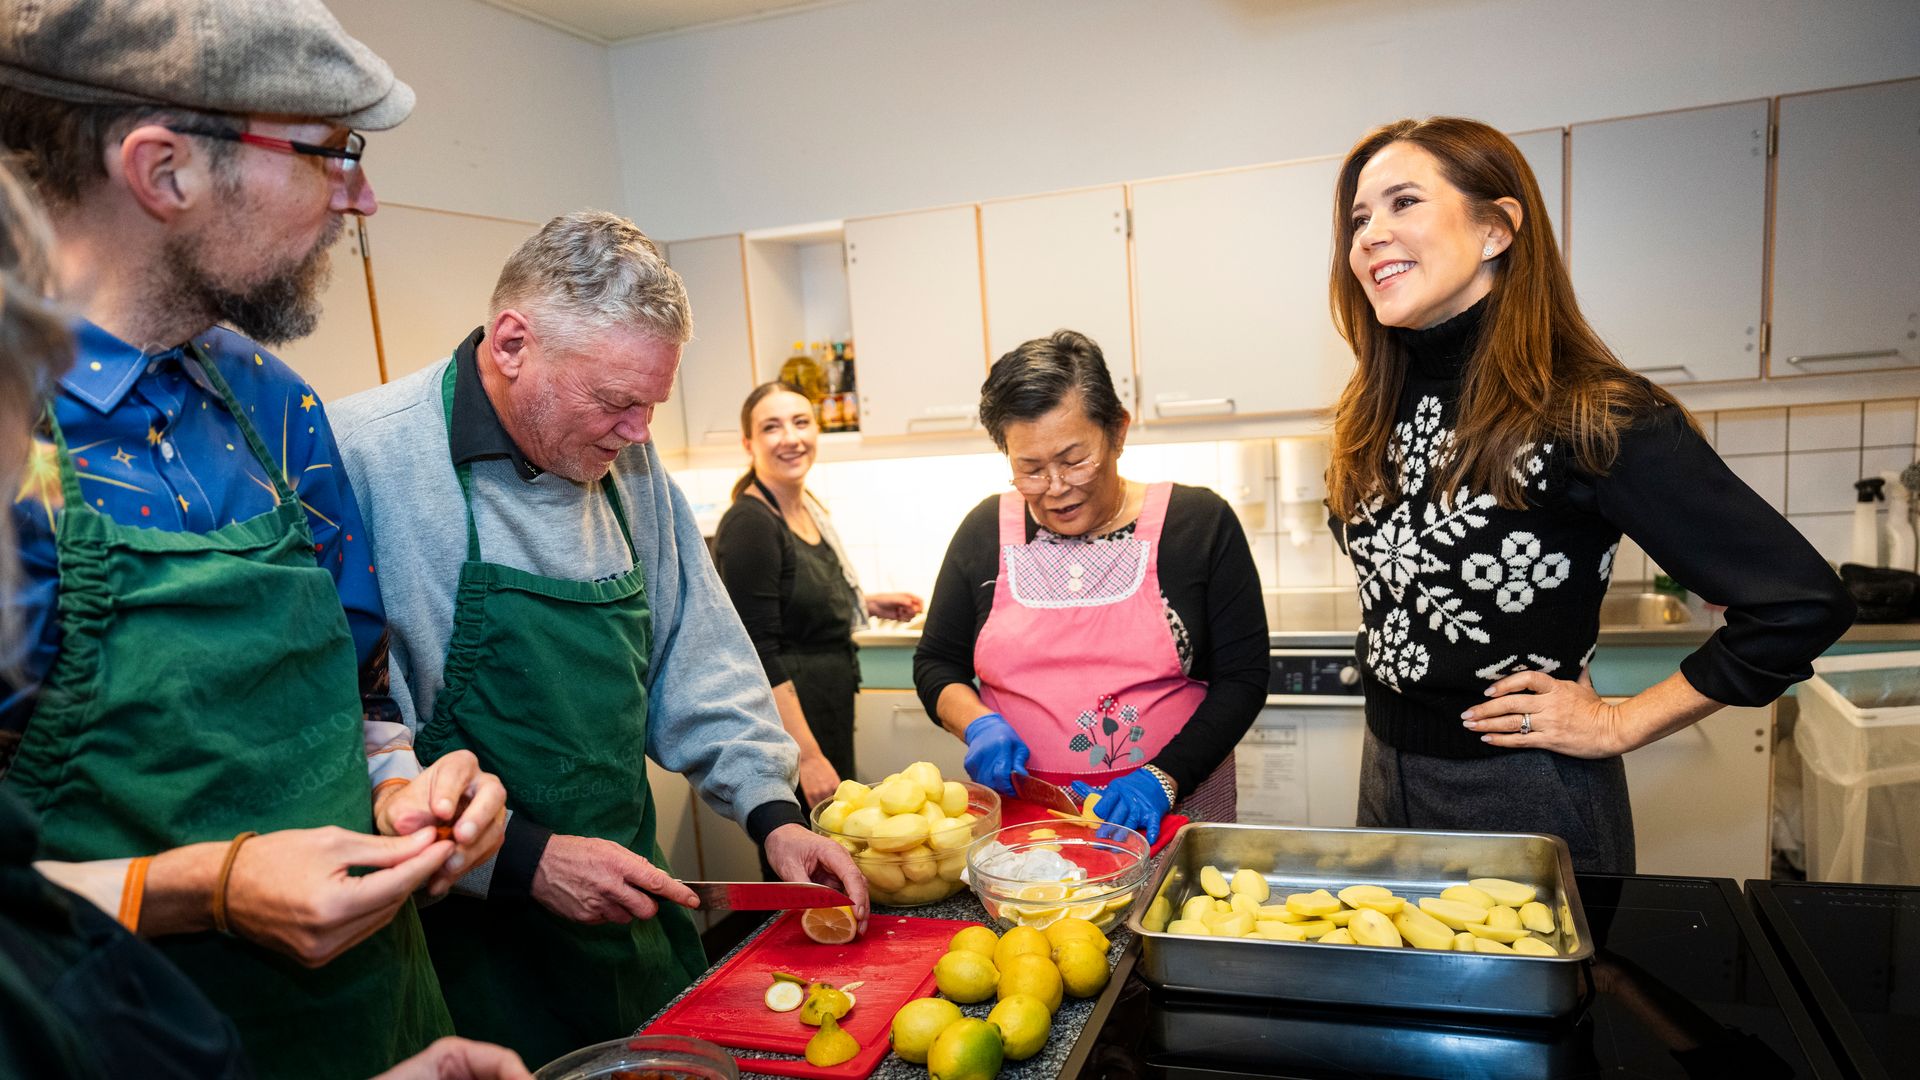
<point>1310,673</point>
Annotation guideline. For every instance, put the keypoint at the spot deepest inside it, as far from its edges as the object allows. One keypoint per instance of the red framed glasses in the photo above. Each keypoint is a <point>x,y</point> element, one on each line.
<point>348,156</point>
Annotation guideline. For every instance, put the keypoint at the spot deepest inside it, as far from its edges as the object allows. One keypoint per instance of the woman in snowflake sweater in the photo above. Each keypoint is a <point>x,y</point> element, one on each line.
<point>1114,628</point>
<point>1488,454</point>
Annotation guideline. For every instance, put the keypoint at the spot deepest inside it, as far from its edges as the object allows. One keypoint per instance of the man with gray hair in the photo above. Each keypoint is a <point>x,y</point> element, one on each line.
<point>554,610</point>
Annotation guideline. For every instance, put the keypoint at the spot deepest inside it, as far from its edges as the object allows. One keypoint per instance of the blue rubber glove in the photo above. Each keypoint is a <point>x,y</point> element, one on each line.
<point>1136,801</point>
<point>995,753</point>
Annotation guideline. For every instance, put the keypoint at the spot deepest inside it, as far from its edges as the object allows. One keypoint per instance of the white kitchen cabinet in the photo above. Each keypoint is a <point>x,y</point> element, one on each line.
<point>1703,797</point>
<point>1056,262</point>
<point>716,368</point>
<point>1230,293</point>
<point>1667,221</point>
<point>1545,152</point>
<point>892,731</point>
<point>913,284</point>
<point>340,356</point>
<point>1846,188</point>
<point>433,275</point>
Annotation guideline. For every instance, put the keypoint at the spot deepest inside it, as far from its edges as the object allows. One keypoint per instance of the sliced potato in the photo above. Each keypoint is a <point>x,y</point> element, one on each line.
<point>1492,933</point>
<point>1159,913</point>
<point>1213,882</point>
<point>1314,928</point>
<point>1502,917</point>
<point>1463,942</point>
<point>1316,904</point>
<point>1535,916</point>
<point>1467,894</point>
<point>1369,927</point>
<point>1343,917</point>
<point>1422,930</point>
<point>1244,902</point>
<point>1279,931</point>
<point>1190,928</point>
<point>1455,914</point>
<point>1339,935</point>
<point>1353,894</point>
<point>1278,913</point>
<point>1196,907</point>
<point>1222,906</point>
<point>1237,924</point>
<point>1533,946</point>
<point>1510,893</point>
<point>1248,882</point>
<point>1489,945</point>
<point>1389,905</point>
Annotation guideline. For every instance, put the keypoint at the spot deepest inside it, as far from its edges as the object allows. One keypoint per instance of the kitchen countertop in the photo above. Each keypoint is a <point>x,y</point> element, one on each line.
<point>1068,1023</point>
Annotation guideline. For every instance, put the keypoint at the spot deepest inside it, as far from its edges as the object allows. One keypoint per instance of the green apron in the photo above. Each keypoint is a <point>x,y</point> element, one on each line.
<point>546,682</point>
<point>206,685</point>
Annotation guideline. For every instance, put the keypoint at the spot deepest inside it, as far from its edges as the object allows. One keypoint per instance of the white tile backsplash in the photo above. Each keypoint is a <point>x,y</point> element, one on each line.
<point>1821,481</point>
<point>1882,459</point>
<point>1306,565</point>
<point>1766,474</point>
<point>1830,534</point>
<point>1751,431</point>
<point>1629,562</point>
<point>1823,427</point>
<point>1888,423</point>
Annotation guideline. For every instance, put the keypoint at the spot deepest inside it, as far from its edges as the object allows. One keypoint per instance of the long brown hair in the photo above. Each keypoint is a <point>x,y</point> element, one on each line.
<point>755,397</point>
<point>1538,372</point>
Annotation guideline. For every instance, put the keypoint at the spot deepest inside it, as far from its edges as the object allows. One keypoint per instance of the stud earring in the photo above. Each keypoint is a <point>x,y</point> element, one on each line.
<point>1487,252</point>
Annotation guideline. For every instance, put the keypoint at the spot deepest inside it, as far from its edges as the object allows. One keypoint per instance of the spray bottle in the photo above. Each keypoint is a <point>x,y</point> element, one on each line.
<point>1898,534</point>
<point>1866,522</point>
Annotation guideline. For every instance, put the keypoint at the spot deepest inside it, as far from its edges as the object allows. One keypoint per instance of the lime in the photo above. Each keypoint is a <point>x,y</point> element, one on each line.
<point>968,1050</point>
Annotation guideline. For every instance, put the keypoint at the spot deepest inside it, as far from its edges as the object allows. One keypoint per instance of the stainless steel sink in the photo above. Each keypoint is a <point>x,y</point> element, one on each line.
<point>1644,611</point>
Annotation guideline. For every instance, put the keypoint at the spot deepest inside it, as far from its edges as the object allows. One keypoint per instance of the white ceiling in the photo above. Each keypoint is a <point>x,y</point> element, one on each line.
<point>611,21</point>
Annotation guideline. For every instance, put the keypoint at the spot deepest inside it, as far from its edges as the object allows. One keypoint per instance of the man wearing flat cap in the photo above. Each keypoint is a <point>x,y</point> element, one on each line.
<point>201,716</point>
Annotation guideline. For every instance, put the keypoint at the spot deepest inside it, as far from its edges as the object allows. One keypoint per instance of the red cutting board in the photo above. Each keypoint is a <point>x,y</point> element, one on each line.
<point>895,957</point>
<point>1020,811</point>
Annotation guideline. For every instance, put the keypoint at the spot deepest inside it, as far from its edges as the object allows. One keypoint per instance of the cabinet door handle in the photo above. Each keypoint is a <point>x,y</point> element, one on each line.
<point>1213,406</point>
<point>946,416</point>
<point>1812,359</point>
<point>719,435</point>
<point>1666,369</point>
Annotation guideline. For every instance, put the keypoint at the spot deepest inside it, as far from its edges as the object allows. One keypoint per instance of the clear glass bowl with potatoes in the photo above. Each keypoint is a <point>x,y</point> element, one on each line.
<point>909,832</point>
<point>1478,922</point>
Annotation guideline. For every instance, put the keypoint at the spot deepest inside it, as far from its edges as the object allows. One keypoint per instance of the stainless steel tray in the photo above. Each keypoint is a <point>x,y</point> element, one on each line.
<point>1413,864</point>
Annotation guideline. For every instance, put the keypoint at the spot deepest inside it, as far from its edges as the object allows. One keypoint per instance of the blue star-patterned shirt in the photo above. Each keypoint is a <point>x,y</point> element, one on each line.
<point>154,445</point>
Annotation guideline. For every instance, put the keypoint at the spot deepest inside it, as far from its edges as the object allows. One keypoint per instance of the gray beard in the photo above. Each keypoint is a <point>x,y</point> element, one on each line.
<point>282,308</point>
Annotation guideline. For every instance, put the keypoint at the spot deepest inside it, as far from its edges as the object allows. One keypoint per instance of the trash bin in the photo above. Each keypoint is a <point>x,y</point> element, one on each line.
<point>1859,745</point>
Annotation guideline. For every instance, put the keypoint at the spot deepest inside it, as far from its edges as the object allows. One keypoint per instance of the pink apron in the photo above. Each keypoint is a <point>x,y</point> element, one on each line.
<point>1077,656</point>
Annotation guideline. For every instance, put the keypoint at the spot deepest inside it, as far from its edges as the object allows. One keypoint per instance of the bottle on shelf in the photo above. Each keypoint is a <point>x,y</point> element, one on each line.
<point>805,375</point>
<point>1898,538</point>
<point>849,392</point>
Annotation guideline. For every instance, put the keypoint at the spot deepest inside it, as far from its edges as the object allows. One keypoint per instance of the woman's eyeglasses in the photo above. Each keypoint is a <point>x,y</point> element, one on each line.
<point>1039,483</point>
<point>347,156</point>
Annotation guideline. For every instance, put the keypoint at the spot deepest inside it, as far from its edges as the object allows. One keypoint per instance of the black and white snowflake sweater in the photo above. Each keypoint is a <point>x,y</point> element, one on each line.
<point>1457,592</point>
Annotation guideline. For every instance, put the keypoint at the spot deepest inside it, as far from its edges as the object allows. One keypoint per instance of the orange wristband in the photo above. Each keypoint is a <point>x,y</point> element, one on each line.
<point>133,892</point>
<point>226,874</point>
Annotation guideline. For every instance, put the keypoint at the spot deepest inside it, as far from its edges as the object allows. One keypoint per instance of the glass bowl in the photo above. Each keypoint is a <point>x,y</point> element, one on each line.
<point>917,869</point>
<point>1039,872</point>
<point>644,1057</point>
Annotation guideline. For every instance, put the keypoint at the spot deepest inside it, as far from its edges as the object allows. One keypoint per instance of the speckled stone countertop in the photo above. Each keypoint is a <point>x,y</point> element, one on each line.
<point>1068,1023</point>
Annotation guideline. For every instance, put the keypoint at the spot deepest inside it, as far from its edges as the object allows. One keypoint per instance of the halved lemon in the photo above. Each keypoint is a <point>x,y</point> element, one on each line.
<point>1043,891</point>
<point>830,925</point>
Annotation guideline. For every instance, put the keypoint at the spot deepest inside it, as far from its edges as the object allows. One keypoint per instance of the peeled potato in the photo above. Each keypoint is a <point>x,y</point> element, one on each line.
<point>1189,927</point>
<point>1453,913</point>
<point>1467,894</point>
<point>1463,942</point>
<point>1195,907</point>
<point>1242,902</point>
<point>1158,914</point>
<point>1489,945</point>
<point>1223,906</point>
<point>1213,882</point>
<point>1510,893</point>
<point>1249,883</point>
<point>1533,946</point>
<point>1494,933</point>
<point>1352,895</point>
<point>1389,905</point>
<point>1422,930</point>
<point>1279,931</point>
<point>1314,928</point>
<point>1233,925</point>
<point>1338,936</point>
<point>1535,916</point>
<point>1343,917</point>
<point>1502,917</point>
<point>1278,913</point>
<point>1372,928</point>
<point>1315,904</point>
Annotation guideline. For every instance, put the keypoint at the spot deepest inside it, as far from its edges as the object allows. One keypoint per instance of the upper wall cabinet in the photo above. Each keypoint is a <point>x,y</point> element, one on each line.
<point>433,274</point>
<point>1060,262</point>
<point>913,283</point>
<point>340,357</point>
<point>716,368</point>
<point>1545,152</point>
<point>1846,213</point>
<point>1230,278</point>
<point>1667,220</point>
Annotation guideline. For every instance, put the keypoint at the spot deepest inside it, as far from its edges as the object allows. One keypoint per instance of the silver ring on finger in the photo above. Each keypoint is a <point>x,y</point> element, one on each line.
<point>1526,723</point>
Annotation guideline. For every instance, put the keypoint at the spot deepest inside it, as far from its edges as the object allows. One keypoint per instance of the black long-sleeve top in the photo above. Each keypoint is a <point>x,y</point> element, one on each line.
<point>1207,577</point>
<point>1457,592</point>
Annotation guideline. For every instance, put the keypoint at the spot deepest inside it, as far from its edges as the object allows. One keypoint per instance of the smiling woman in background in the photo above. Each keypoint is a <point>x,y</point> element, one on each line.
<point>794,588</point>
<point>1487,456</point>
<point>1115,628</point>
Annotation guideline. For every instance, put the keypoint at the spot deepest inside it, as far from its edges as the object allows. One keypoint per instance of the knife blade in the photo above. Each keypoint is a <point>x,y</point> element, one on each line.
<point>764,895</point>
<point>1051,796</point>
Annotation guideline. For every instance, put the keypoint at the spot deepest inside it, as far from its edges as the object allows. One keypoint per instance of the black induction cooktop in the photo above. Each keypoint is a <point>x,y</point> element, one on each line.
<point>1683,985</point>
<point>1854,952</point>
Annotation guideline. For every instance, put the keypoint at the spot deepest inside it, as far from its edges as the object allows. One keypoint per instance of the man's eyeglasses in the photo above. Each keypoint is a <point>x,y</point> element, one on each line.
<point>348,156</point>
<point>1039,483</point>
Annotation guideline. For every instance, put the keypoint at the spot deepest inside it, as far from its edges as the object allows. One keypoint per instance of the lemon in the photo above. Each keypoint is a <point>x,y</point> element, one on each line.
<point>830,1046</point>
<point>917,1024</point>
<point>1083,968</point>
<point>830,926</point>
<point>1035,975</point>
<point>1041,891</point>
<point>1076,929</point>
<point>1024,1024</point>
<point>968,1049</point>
<point>966,976</point>
<point>1020,941</point>
<point>974,939</point>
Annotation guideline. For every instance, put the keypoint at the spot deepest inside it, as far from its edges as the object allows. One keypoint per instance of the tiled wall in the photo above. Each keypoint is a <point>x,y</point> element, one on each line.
<point>897,515</point>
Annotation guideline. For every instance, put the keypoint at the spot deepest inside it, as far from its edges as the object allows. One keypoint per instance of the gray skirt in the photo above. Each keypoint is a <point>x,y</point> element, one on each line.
<point>1581,801</point>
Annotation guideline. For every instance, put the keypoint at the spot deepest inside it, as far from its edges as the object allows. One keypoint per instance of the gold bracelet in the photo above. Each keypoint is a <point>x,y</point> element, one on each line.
<point>226,874</point>
<point>1166,784</point>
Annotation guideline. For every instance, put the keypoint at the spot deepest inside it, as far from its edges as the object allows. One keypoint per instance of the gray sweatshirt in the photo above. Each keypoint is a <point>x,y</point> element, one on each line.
<point>710,712</point>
